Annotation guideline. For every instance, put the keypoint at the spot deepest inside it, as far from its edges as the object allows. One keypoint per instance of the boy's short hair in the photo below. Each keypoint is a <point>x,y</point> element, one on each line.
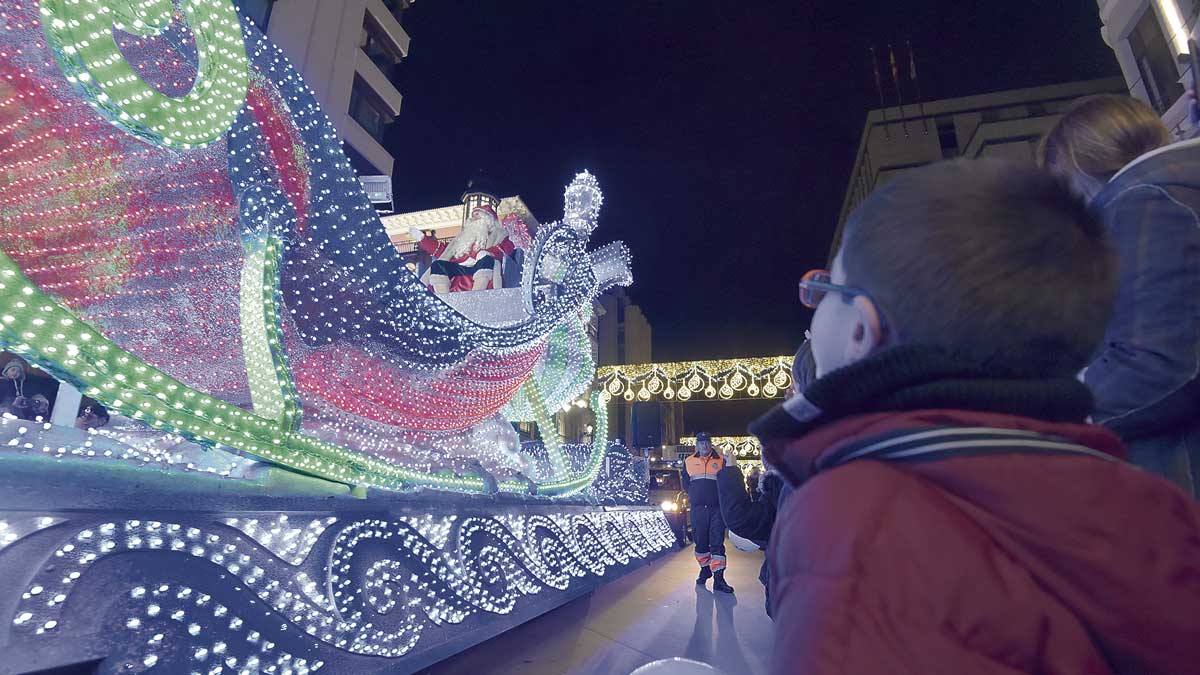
<point>994,261</point>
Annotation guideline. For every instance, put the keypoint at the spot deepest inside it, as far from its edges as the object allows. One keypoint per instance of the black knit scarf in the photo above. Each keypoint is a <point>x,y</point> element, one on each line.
<point>916,378</point>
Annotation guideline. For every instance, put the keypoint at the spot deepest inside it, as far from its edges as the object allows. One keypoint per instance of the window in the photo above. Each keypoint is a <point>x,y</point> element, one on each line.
<point>378,46</point>
<point>258,11</point>
<point>368,110</point>
<point>1155,62</point>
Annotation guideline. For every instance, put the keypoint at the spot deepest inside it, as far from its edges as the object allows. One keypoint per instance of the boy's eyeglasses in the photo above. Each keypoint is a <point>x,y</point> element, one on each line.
<point>816,284</point>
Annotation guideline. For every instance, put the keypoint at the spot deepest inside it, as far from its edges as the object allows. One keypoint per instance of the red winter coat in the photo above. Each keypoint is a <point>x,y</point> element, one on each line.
<point>988,563</point>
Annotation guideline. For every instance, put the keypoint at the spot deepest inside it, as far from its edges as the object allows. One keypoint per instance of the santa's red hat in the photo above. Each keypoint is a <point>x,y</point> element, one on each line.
<point>485,207</point>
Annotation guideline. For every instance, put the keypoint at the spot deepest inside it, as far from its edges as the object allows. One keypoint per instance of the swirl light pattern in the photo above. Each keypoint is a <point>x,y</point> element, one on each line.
<point>83,40</point>
<point>348,590</point>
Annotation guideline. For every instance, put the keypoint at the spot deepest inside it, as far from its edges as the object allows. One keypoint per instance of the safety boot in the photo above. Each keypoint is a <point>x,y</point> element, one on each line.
<point>719,582</point>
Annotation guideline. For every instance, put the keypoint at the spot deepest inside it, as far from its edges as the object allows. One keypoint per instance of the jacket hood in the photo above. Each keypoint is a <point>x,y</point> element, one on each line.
<point>1151,159</point>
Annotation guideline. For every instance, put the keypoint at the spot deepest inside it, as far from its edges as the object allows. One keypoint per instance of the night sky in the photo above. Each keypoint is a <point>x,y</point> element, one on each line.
<point>722,133</point>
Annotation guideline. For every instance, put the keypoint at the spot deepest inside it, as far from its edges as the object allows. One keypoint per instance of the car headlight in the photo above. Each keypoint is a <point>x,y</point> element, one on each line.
<point>669,505</point>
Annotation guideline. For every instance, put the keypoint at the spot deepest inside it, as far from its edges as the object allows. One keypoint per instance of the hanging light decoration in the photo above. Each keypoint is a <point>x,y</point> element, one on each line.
<point>743,447</point>
<point>726,378</point>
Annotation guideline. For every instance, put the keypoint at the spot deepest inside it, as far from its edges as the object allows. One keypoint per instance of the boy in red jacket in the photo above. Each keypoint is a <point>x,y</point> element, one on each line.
<point>953,512</point>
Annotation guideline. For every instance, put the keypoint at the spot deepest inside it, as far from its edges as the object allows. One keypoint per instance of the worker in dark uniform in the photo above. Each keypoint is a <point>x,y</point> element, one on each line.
<point>700,480</point>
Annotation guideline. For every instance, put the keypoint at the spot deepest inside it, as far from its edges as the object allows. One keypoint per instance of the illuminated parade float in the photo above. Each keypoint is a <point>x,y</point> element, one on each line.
<point>311,463</point>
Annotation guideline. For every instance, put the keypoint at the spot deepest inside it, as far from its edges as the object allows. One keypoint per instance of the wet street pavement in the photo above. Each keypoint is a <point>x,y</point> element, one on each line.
<point>653,613</point>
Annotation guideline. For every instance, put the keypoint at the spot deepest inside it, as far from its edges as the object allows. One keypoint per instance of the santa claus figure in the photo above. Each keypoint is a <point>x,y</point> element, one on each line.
<point>470,261</point>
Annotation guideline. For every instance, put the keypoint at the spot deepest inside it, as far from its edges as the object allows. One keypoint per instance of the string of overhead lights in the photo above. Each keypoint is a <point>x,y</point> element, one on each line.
<point>745,447</point>
<point>767,377</point>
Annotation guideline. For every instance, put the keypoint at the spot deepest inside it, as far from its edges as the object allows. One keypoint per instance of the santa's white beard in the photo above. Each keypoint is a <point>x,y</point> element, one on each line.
<point>473,238</point>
